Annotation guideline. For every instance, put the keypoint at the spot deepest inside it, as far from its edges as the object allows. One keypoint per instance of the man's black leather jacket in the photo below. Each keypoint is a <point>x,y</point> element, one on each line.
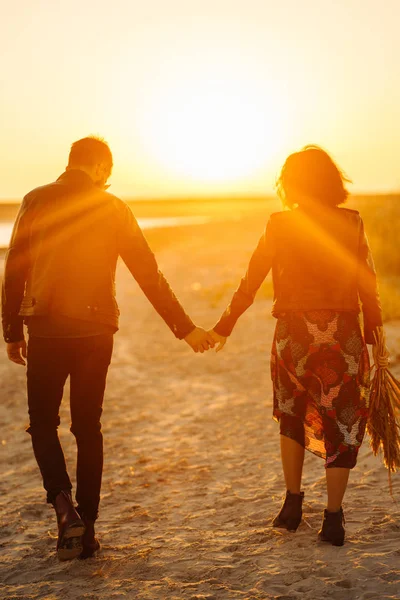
<point>63,255</point>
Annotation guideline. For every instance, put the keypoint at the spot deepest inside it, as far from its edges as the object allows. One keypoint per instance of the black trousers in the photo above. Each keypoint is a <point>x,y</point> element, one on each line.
<point>50,362</point>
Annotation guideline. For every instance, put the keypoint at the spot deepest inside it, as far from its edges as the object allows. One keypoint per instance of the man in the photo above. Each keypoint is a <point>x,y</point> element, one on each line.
<point>60,279</point>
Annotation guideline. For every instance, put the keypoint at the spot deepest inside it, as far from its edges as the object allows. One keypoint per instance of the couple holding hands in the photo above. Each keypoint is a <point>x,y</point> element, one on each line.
<point>60,281</point>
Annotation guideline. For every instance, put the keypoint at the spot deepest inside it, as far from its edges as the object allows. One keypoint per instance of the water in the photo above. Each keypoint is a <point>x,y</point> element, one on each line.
<point>5,234</point>
<point>145,223</point>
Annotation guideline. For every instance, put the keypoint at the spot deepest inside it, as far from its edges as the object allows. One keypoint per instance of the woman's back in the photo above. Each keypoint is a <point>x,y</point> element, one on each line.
<point>315,258</point>
<point>318,252</point>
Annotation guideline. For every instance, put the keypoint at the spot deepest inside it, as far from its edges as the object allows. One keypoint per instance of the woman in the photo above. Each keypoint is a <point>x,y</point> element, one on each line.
<point>322,269</point>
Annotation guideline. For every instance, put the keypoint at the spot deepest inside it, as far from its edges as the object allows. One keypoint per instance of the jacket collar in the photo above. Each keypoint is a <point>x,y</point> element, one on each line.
<point>77,179</point>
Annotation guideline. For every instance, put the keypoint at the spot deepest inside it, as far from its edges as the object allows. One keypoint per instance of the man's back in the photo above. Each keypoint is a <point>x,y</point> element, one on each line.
<point>63,255</point>
<point>74,249</point>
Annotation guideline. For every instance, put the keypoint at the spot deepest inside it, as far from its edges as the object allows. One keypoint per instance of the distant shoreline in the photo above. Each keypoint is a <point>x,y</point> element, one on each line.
<point>145,224</point>
<point>213,198</point>
<point>217,199</point>
<point>160,208</point>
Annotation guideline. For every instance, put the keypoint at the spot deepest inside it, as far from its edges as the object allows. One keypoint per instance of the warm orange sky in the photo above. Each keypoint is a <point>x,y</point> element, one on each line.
<point>199,96</point>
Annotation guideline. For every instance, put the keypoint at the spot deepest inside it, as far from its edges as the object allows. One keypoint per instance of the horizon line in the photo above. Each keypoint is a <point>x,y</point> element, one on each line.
<point>217,196</point>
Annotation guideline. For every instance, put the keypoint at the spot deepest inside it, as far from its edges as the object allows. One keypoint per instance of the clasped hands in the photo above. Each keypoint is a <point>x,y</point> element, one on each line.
<point>201,340</point>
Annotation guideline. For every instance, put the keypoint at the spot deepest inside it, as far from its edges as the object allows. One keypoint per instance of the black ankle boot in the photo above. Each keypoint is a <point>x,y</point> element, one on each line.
<point>90,543</point>
<point>70,527</point>
<point>291,512</point>
<point>332,529</point>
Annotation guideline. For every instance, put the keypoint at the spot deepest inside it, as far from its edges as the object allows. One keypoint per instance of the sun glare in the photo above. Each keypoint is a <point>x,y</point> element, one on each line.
<point>218,134</point>
<point>213,123</point>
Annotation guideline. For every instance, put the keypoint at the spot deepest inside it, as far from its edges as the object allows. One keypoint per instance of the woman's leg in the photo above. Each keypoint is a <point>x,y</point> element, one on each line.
<point>292,454</point>
<point>336,483</point>
<point>332,529</point>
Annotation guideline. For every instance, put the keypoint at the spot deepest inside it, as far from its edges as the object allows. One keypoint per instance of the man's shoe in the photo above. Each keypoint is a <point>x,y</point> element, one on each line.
<point>70,527</point>
<point>291,512</point>
<point>332,529</point>
<point>90,544</point>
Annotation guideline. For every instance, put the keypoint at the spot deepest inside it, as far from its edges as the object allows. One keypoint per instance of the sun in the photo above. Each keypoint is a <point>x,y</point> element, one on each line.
<point>214,128</point>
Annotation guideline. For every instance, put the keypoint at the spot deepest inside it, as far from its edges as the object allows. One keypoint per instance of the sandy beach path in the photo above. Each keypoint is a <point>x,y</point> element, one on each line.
<point>192,471</point>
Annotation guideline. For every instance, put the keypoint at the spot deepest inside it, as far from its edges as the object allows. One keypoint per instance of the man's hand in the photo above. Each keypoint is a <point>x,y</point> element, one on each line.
<point>17,352</point>
<point>199,340</point>
<point>218,339</point>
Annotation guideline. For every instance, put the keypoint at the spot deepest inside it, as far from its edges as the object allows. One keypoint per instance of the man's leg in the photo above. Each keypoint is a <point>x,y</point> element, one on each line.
<point>47,372</point>
<point>88,382</point>
<point>46,375</point>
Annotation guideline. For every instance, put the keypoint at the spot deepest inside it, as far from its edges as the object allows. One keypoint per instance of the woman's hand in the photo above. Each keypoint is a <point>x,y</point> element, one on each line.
<point>218,339</point>
<point>380,351</point>
<point>381,356</point>
<point>199,340</point>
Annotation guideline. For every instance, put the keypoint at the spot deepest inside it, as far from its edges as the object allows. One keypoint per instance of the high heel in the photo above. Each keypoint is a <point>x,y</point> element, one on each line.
<point>291,512</point>
<point>332,529</point>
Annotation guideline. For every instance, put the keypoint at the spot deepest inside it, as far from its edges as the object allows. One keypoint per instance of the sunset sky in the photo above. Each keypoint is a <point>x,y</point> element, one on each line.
<point>199,97</point>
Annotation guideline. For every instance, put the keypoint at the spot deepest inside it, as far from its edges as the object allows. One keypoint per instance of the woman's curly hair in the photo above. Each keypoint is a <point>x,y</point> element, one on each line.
<point>312,172</point>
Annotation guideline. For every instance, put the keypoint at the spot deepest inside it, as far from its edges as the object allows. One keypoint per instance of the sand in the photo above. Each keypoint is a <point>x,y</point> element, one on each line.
<point>192,473</point>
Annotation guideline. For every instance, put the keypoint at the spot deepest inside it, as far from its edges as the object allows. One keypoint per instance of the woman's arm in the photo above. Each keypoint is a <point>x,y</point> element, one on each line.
<point>368,289</point>
<point>259,267</point>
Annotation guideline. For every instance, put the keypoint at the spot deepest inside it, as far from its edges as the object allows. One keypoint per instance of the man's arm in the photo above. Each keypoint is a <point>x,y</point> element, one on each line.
<point>16,269</point>
<point>142,263</point>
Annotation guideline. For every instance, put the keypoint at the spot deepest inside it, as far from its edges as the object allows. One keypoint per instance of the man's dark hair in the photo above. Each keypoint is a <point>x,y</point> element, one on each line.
<point>90,151</point>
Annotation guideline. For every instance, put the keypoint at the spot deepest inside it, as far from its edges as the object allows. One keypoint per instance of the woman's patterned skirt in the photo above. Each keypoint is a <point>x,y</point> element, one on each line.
<point>320,373</point>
